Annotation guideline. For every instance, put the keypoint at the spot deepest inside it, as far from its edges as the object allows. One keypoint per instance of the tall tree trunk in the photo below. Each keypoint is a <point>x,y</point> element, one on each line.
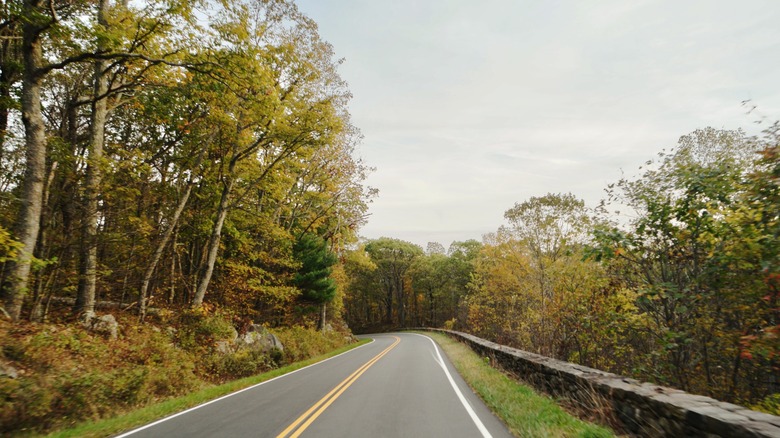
<point>29,218</point>
<point>401,302</point>
<point>216,234</point>
<point>10,55</point>
<point>42,250</point>
<point>166,237</point>
<point>389,302</point>
<point>85,299</point>
<point>323,314</point>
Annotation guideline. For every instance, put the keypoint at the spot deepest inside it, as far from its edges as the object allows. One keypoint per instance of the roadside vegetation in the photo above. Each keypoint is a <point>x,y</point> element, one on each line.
<point>68,375</point>
<point>148,414</point>
<point>177,179</point>
<point>525,412</point>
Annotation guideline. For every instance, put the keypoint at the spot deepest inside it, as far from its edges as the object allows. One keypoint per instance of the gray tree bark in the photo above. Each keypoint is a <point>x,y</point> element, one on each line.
<point>158,251</point>
<point>85,298</point>
<point>216,234</point>
<point>29,217</point>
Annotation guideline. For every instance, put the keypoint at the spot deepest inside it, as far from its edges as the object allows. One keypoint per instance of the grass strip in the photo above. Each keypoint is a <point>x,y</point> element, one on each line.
<point>525,412</point>
<point>150,413</point>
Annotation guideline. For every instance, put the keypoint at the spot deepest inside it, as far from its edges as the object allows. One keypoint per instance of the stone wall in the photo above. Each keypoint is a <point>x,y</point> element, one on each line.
<point>644,409</point>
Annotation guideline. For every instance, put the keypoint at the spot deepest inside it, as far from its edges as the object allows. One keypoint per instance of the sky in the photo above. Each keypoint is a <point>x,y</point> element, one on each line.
<point>468,107</point>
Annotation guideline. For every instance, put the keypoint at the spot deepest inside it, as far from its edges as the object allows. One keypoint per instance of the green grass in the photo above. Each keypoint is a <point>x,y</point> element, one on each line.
<point>526,413</point>
<point>148,414</point>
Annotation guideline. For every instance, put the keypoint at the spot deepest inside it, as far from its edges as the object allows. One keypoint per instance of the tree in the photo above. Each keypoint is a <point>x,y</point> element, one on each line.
<point>56,36</point>
<point>168,143</point>
<point>752,254</point>
<point>279,98</point>
<point>500,291</point>
<point>313,278</point>
<point>85,299</point>
<point>549,227</point>
<point>679,254</point>
<point>429,277</point>
<point>393,258</point>
<point>434,248</point>
<point>28,219</point>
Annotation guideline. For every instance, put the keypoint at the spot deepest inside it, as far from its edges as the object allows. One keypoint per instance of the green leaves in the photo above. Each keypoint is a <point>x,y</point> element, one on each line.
<point>313,277</point>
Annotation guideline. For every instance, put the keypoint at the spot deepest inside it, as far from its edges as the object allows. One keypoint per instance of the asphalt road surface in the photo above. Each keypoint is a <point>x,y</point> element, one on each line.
<point>400,385</point>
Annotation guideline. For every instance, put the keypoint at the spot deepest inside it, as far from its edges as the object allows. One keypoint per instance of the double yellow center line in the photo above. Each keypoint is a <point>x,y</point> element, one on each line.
<point>308,417</point>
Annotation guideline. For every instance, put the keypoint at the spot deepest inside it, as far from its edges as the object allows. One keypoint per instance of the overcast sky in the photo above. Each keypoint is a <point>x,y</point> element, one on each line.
<point>468,107</point>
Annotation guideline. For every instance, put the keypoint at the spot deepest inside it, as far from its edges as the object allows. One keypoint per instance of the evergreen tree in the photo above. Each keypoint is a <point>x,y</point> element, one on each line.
<point>313,278</point>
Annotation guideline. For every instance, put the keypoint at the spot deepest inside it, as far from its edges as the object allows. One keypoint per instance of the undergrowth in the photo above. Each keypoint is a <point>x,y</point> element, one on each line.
<point>66,375</point>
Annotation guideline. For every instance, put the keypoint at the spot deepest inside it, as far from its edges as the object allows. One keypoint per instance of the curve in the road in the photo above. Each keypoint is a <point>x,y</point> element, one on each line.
<point>474,417</point>
<point>400,385</point>
<point>330,397</point>
<point>219,399</point>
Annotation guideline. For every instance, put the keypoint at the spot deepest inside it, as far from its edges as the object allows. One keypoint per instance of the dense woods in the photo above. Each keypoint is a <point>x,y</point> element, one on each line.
<point>672,279</point>
<point>170,154</point>
<point>188,167</point>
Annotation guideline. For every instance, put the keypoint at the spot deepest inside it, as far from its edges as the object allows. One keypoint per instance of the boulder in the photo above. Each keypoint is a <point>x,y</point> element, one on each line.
<point>258,337</point>
<point>105,325</point>
<point>227,344</point>
<point>7,370</point>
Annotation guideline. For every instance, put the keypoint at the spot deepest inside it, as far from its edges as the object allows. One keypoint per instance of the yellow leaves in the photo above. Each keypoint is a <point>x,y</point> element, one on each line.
<point>8,246</point>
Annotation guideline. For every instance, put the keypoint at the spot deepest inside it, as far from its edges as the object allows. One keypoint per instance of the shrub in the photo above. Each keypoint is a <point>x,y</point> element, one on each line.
<point>68,375</point>
<point>243,363</point>
<point>302,343</point>
<point>449,324</point>
<point>199,330</point>
<point>770,404</point>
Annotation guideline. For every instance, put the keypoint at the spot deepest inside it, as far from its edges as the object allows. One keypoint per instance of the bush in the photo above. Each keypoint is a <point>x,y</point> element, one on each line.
<point>199,330</point>
<point>302,343</point>
<point>243,363</point>
<point>449,324</point>
<point>69,375</point>
<point>770,404</point>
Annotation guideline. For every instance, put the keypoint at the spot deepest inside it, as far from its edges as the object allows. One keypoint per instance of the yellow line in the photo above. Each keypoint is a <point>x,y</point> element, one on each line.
<point>338,390</point>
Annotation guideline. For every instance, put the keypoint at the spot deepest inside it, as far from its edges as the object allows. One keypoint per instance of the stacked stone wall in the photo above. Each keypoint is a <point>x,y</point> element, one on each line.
<point>643,409</point>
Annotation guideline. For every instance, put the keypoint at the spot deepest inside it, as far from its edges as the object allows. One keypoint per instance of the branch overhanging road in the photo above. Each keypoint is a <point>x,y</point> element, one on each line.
<point>400,385</point>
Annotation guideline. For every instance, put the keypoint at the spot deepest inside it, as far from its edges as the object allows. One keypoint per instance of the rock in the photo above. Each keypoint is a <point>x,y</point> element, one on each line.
<point>224,347</point>
<point>7,370</point>
<point>258,337</point>
<point>105,325</point>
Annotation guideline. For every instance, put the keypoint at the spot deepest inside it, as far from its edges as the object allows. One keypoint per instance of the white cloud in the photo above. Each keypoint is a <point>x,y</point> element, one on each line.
<point>468,107</point>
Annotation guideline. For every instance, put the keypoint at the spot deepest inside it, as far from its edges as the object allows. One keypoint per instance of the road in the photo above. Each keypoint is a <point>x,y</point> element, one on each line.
<point>400,385</point>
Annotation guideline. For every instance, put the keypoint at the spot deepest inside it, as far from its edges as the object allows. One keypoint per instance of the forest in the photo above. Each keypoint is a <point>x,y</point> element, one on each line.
<point>186,167</point>
<point>156,141</point>
<point>191,168</point>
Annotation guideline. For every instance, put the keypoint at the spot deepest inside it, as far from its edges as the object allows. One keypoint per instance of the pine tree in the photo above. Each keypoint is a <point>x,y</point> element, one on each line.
<point>313,278</point>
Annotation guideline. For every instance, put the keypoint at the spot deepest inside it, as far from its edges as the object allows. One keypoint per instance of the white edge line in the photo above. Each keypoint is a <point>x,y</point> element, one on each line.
<point>233,393</point>
<point>469,409</point>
